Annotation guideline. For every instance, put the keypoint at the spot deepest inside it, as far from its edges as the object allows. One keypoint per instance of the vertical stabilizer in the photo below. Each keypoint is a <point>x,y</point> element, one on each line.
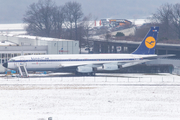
<point>148,45</point>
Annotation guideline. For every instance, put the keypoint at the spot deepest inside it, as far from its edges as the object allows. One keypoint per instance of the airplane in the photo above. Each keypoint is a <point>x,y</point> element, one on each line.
<point>88,63</point>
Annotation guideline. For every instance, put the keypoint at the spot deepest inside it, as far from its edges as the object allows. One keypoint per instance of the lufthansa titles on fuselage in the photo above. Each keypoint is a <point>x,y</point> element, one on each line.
<point>39,58</point>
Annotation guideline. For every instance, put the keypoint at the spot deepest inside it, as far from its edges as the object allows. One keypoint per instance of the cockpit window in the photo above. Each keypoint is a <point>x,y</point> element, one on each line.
<point>11,60</point>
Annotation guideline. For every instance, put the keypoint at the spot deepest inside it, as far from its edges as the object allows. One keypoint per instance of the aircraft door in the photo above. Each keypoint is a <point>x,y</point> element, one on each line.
<point>22,61</point>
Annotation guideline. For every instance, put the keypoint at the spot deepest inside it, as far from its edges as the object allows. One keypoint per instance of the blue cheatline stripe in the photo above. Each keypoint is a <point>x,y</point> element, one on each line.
<point>62,60</point>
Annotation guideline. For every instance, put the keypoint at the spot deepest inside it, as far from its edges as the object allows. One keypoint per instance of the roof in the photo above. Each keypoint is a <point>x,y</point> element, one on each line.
<point>7,43</point>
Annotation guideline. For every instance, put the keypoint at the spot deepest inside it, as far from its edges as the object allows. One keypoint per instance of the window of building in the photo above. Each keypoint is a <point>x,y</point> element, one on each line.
<point>9,55</point>
<point>4,55</point>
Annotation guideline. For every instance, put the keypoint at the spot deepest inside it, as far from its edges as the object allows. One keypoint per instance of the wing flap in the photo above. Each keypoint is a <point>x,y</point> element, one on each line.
<point>134,63</point>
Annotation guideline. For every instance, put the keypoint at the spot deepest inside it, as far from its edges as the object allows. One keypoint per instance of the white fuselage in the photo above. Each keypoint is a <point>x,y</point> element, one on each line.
<point>54,62</point>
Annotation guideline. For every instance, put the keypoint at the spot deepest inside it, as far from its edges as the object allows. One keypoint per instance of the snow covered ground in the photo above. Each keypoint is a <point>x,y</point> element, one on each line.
<point>105,97</point>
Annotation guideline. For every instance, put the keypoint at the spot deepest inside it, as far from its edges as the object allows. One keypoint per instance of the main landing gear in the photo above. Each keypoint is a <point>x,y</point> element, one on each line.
<point>85,74</point>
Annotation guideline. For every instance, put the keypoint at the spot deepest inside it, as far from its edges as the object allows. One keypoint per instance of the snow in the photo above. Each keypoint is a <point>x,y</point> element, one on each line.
<point>104,97</point>
<point>17,26</point>
<point>139,22</point>
<point>5,43</point>
<point>12,29</point>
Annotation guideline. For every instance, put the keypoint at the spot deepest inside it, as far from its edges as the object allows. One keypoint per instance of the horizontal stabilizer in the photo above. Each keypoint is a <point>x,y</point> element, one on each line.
<point>168,55</point>
<point>159,56</point>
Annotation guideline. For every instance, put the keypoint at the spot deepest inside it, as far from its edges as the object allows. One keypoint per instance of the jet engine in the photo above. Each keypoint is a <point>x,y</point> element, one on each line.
<point>110,67</point>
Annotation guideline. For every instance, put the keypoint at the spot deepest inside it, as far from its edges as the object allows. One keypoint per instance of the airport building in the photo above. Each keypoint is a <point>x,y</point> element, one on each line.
<point>12,46</point>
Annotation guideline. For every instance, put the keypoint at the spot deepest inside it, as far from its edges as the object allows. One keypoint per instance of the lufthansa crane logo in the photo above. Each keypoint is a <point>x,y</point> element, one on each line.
<point>150,42</point>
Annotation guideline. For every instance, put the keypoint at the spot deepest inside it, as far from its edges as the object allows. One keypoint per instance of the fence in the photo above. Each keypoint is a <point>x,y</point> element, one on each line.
<point>176,71</point>
<point>95,79</point>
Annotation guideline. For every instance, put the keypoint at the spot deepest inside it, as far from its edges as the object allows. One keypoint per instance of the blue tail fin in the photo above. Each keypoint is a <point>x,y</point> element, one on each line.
<point>148,45</point>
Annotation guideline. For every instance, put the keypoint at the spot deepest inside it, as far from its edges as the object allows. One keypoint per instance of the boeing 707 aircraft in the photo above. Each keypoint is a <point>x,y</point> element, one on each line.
<point>87,63</point>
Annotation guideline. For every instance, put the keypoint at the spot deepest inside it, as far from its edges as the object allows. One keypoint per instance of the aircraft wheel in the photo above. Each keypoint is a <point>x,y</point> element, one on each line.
<point>93,74</point>
<point>77,73</point>
<point>88,74</point>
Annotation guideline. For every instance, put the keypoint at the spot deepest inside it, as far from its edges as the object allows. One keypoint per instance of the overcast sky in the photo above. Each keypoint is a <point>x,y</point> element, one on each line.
<point>12,11</point>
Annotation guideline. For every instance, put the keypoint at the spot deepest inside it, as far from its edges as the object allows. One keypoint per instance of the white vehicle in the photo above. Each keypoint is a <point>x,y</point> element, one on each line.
<point>86,63</point>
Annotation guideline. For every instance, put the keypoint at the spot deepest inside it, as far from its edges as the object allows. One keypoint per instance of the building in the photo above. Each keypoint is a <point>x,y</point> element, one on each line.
<point>116,22</point>
<point>12,46</point>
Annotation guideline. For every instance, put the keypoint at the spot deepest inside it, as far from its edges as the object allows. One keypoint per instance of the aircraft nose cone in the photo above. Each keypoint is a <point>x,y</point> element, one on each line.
<point>5,64</point>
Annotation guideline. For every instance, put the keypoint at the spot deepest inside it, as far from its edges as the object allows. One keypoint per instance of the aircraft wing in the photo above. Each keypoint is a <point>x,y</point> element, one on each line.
<point>95,65</point>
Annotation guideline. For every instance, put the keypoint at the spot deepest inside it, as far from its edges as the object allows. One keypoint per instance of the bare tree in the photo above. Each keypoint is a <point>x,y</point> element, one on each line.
<point>73,12</point>
<point>44,18</point>
<point>58,20</point>
<point>39,18</point>
<point>163,16</point>
<point>87,24</point>
<point>176,19</point>
<point>168,18</point>
<point>107,35</point>
<point>69,19</point>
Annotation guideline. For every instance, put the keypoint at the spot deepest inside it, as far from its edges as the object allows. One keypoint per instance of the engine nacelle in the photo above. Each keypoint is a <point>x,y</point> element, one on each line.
<point>110,67</point>
<point>84,69</point>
